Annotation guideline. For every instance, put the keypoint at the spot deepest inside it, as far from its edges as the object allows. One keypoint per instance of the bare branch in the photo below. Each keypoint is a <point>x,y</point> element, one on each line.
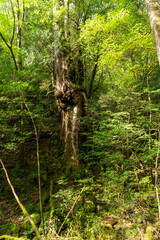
<point>93,74</point>
<point>70,210</point>
<point>4,40</point>
<point>11,50</point>
<point>38,161</point>
<point>23,4</point>
<point>19,203</point>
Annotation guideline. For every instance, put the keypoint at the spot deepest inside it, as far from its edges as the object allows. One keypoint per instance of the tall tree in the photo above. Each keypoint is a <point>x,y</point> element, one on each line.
<point>71,99</point>
<point>71,73</point>
<point>13,12</point>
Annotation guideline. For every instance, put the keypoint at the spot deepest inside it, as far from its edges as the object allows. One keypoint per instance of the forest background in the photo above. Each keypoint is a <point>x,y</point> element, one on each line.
<point>79,120</point>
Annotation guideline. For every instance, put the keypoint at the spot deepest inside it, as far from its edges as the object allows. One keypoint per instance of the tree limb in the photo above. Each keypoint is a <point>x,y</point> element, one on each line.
<point>20,204</point>
<point>11,51</point>
<point>38,162</point>
<point>154,16</point>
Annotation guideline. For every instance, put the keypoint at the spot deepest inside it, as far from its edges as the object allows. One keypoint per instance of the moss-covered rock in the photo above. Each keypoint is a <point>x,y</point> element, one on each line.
<point>12,238</point>
<point>149,233</point>
<point>35,238</point>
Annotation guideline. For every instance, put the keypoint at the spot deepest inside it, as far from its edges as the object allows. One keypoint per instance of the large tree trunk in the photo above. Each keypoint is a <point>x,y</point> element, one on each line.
<point>69,136</point>
<point>71,103</point>
<point>154,16</point>
<point>71,100</point>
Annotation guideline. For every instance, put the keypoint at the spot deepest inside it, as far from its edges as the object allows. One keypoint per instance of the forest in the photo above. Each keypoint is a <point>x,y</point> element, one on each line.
<point>79,119</point>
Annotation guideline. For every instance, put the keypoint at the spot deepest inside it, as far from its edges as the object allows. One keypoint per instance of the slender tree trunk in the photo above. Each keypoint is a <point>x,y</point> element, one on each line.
<point>154,16</point>
<point>156,172</point>
<point>150,120</point>
<point>38,163</point>
<point>20,17</point>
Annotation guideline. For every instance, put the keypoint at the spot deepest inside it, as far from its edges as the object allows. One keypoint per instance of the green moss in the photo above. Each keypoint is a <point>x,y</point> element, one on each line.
<point>149,233</point>
<point>11,238</point>
<point>46,216</point>
<point>36,219</point>
<point>35,238</point>
<point>89,206</point>
<point>100,233</point>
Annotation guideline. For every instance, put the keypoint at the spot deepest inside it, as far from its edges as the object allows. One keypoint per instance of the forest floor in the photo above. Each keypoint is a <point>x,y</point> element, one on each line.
<point>11,216</point>
<point>93,216</point>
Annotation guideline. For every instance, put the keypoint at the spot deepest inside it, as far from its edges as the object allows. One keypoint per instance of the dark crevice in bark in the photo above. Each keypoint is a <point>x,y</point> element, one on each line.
<point>72,103</point>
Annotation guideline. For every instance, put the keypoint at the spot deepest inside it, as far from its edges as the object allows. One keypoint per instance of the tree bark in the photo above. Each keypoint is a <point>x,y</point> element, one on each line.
<point>71,103</point>
<point>154,16</point>
<point>71,100</point>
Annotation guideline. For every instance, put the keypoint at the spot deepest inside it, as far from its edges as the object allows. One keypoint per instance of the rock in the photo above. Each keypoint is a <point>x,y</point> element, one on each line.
<point>149,233</point>
<point>35,238</point>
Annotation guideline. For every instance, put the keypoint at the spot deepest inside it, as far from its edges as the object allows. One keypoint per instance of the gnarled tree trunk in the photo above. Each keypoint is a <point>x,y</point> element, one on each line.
<point>71,100</point>
<point>154,16</point>
<point>72,103</point>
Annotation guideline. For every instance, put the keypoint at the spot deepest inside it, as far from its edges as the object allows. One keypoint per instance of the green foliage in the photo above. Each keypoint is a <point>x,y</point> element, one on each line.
<point>9,228</point>
<point>119,135</point>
